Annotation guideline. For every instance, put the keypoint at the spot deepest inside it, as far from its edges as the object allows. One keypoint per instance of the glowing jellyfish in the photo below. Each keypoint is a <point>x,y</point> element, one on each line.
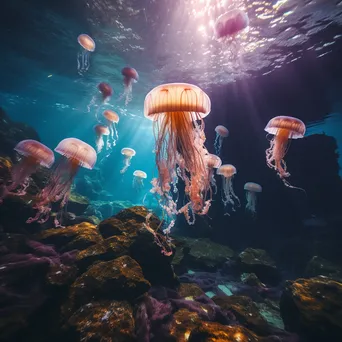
<point>128,153</point>
<point>130,76</point>
<point>283,128</point>
<point>227,172</point>
<point>100,131</point>
<point>221,133</point>
<point>74,154</point>
<point>33,154</point>
<point>138,179</point>
<point>87,45</point>
<point>213,162</point>
<point>251,196</point>
<point>112,119</point>
<point>177,110</point>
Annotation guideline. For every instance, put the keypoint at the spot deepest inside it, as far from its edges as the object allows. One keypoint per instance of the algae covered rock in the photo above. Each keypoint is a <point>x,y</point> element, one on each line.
<point>189,290</point>
<point>183,322</point>
<point>77,203</point>
<point>313,307</point>
<point>318,266</point>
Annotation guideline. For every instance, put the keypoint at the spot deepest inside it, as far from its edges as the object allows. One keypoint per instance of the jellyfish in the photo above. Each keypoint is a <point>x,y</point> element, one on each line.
<point>251,197</point>
<point>213,162</point>
<point>229,25</point>
<point>177,111</point>
<point>227,172</point>
<point>130,76</point>
<point>128,153</point>
<point>33,154</point>
<point>100,131</point>
<point>112,119</point>
<point>283,128</point>
<point>74,154</point>
<point>138,179</point>
<point>105,91</point>
<point>221,133</point>
<point>87,45</point>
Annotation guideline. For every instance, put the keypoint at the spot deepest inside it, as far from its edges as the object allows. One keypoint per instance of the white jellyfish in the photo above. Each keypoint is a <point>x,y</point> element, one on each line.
<point>251,197</point>
<point>87,45</point>
<point>112,119</point>
<point>212,162</point>
<point>227,172</point>
<point>100,132</point>
<point>221,133</point>
<point>138,179</point>
<point>128,153</point>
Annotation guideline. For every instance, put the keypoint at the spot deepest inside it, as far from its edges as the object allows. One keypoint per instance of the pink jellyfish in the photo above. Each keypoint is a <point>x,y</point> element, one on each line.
<point>33,154</point>
<point>100,131</point>
<point>130,76</point>
<point>177,110</point>
<point>138,179</point>
<point>251,190</point>
<point>74,154</point>
<point>105,91</point>
<point>128,153</point>
<point>283,128</point>
<point>227,172</point>
<point>87,45</point>
<point>221,133</point>
<point>213,162</point>
<point>112,119</point>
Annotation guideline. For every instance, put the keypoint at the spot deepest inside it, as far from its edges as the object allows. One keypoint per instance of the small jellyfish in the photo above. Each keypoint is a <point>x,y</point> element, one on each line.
<point>251,196</point>
<point>138,179</point>
<point>221,133</point>
<point>112,119</point>
<point>32,155</point>
<point>106,91</point>
<point>74,154</point>
<point>213,162</point>
<point>103,95</point>
<point>283,128</point>
<point>130,76</point>
<point>100,131</point>
<point>229,25</point>
<point>87,45</point>
<point>227,172</point>
<point>128,153</point>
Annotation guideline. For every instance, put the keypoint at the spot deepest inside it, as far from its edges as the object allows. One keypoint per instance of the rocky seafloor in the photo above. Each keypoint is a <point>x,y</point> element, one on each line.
<point>103,278</point>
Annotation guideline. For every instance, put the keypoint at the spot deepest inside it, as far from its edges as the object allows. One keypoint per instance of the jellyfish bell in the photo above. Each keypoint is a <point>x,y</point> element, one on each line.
<point>100,131</point>
<point>221,133</point>
<point>128,154</point>
<point>227,171</point>
<point>283,129</point>
<point>100,98</point>
<point>177,110</point>
<point>106,91</point>
<point>138,179</point>
<point>231,23</point>
<point>130,76</point>
<point>74,153</point>
<point>87,46</point>
<point>251,190</point>
<point>112,119</point>
<point>213,162</point>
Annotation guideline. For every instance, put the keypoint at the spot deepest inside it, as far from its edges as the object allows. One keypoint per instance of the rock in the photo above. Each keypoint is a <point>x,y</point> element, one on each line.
<point>119,279</point>
<point>104,321</point>
<point>210,332</point>
<point>189,291</point>
<point>245,311</point>
<point>77,204</point>
<point>79,236</point>
<point>251,279</point>
<point>60,275</point>
<point>313,308</point>
<point>89,186</point>
<point>199,253</point>
<point>183,322</point>
<point>259,262</point>
<point>271,313</point>
<point>319,266</point>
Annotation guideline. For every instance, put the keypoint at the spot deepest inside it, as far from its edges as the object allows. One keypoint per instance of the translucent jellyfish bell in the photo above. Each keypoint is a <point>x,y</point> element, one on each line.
<point>221,133</point>
<point>130,76</point>
<point>101,131</point>
<point>83,57</point>
<point>112,119</point>
<point>213,162</point>
<point>138,179</point>
<point>101,97</point>
<point>283,128</point>
<point>227,172</point>
<point>128,154</point>
<point>251,196</point>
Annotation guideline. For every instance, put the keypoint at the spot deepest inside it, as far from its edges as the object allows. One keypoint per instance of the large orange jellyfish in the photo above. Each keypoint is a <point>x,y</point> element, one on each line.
<point>100,132</point>
<point>74,154</point>
<point>130,76</point>
<point>177,111</point>
<point>138,179</point>
<point>283,128</point>
<point>32,155</point>
<point>87,45</point>
<point>213,162</point>
<point>251,190</point>
<point>227,172</point>
<point>221,133</point>
<point>112,119</point>
<point>128,154</point>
